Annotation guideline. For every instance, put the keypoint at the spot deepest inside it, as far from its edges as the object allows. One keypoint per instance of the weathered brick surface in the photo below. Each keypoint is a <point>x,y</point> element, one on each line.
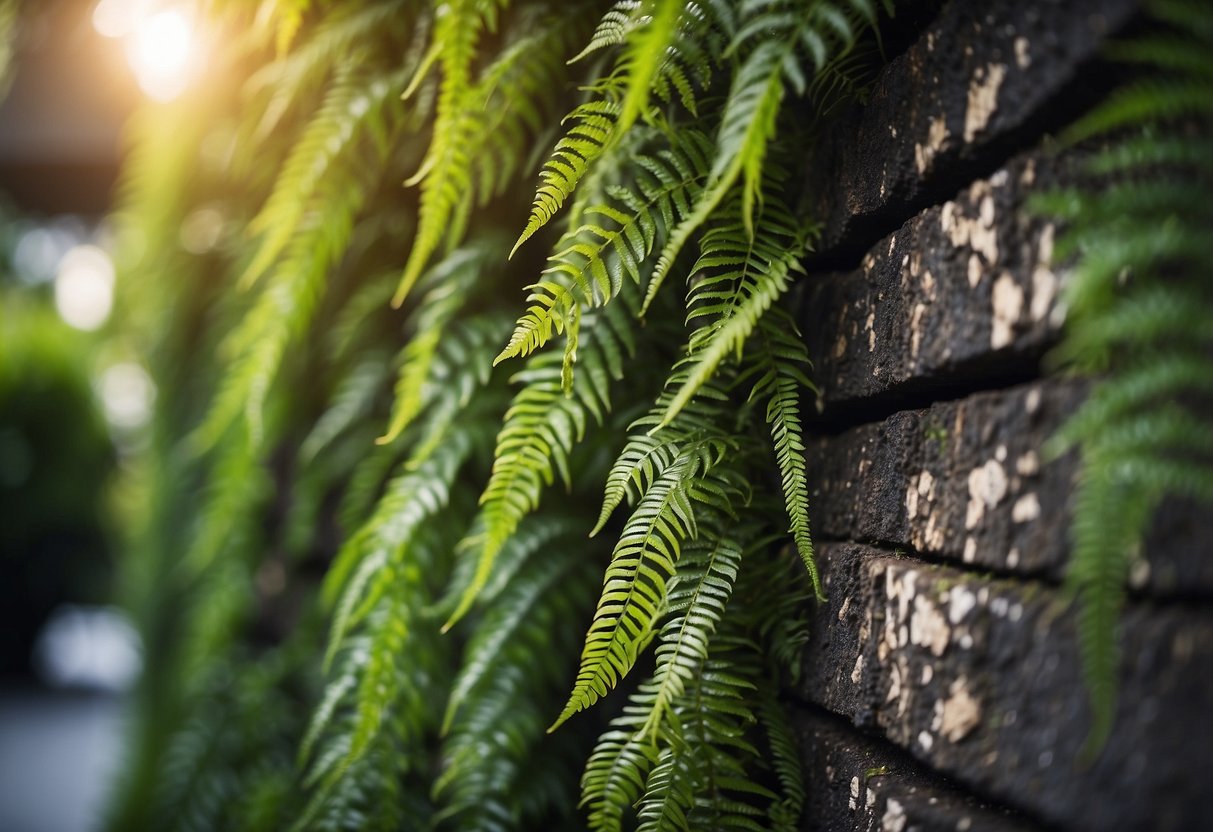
<point>980,679</point>
<point>856,783</point>
<point>965,291</point>
<point>968,481</point>
<point>981,81</point>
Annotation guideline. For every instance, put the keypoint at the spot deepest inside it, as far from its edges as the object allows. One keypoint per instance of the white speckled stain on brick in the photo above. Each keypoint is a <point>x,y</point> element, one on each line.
<point>957,716</point>
<point>961,601</point>
<point>937,134</point>
<point>1026,508</point>
<point>894,818</point>
<point>987,487</point>
<point>983,98</point>
<point>1007,300</point>
<point>1022,59</point>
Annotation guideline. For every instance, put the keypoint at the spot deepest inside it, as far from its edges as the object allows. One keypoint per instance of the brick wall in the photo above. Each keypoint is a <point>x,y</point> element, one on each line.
<point>941,688</point>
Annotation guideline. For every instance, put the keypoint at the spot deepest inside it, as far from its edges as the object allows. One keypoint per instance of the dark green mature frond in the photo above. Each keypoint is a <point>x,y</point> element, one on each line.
<point>1138,307</point>
<point>780,357</point>
<point>499,701</point>
<point>737,279</point>
<point>697,600</point>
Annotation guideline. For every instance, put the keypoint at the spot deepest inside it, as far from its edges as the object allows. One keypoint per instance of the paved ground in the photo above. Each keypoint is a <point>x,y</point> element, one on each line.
<point>58,754</point>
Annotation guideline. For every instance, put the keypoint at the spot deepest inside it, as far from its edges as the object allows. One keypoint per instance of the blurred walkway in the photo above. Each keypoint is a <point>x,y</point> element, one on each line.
<point>59,751</point>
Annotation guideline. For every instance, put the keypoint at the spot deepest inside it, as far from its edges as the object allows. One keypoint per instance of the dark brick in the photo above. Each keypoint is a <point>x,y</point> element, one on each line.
<point>968,481</point>
<point>855,783</point>
<point>980,679</point>
<point>983,80</point>
<point>965,293</point>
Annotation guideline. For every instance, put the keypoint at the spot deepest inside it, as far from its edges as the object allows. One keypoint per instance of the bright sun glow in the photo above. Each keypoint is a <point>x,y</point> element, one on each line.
<point>161,53</point>
<point>159,40</point>
<point>84,287</point>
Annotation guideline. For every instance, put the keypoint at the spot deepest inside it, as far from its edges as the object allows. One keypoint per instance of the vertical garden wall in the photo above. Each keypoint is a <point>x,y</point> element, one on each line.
<point>818,448</point>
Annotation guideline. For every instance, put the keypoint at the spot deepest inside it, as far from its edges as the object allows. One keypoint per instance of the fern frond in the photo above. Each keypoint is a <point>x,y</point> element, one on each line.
<point>589,267</point>
<point>445,174</point>
<point>592,126</point>
<point>540,429</point>
<point>614,28</point>
<point>697,599</point>
<point>356,108</point>
<point>779,356</point>
<point>495,714</point>
<point>1138,311</point>
<point>645,558</point>
<point>741,276</point>
<point>453,279</point>
<point>749,122</point>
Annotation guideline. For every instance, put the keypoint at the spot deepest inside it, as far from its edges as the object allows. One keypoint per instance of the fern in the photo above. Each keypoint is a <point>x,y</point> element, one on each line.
<point>771,35</point>
<point>1139,303</point>
<point>671,143</point>
<point>590,264</point>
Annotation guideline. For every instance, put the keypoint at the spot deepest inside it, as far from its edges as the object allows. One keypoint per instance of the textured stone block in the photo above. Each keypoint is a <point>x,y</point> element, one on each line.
<point>980,679</point>
<point>981,81</point>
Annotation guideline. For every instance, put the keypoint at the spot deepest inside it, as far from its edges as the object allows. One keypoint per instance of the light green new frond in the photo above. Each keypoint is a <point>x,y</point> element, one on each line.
<point>779,356</point>
<point>445,175</point>
<point>634,588</point>
<point>591,262</point>
<point>453,280</point>
<point>615,26</point>
<point>592,126</point>
<point>357,107</point>
<point>540,429</point>
<point>646,49</point>
<point>640,463</point>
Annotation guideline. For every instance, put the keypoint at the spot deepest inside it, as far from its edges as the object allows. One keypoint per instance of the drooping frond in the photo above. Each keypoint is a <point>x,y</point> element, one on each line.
<point>452,281</point>
<point>445,174</point>
<point>497,708</point>
<point>670,47</point>
<point>540,429</point>
<point>738,278</point>
<point>771,37</point>
<point>646,557</point>
<point>356,108</point>
<point>1138,305</point>
<point>591,262</point>
<point>697,600</point>
<point>779,356</point>
<point>592,125</point>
